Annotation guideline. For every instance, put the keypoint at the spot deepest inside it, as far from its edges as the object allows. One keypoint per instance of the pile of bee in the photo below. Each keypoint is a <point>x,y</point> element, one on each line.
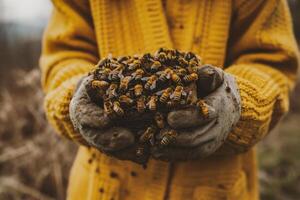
<point>150,83</point>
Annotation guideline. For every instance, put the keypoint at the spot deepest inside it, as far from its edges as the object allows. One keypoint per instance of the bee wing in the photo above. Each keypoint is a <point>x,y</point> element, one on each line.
<point>152,140</point>
<point>172,95</point>
<point>145,78</point>
<point>168,76</point>
<point>153,85</point>
<point>159,92</point>
<point>183,93</point>
<point>120,75</point>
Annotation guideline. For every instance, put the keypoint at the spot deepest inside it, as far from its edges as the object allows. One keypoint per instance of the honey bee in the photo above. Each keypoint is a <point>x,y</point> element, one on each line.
<point>125,99</point>
<point>168,137</point>
<point>140,104</point>
<point>112,90</point>
<point>165,95</point>
<point>162,57</point>
<point>123,58</point>
<point>108,108</point>
<point>138,74</point>
<point>159,120</point>
<point>100,84</point>
<point>181,72</point>
<point>103,63</point>
<point>117,108</point>
<point>171,55</point>
<point>138,90</point>
<point>134,65</point>
<point>189,56</point>
<point>148,135</point>
<point>124,83</point>
<point>175,78</point>
<point>178,92</point>
<point>182,62</point>
<point>151,82</point>
<point>165,75</point>
<point>191,77</point>
<point>156,65</point>
<point>203,108</point>
<point>114,75</point>
<point>152,103</point>
<point>104,73</point>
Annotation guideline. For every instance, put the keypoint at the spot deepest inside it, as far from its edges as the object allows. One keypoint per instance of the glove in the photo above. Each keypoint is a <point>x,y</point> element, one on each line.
<point>220,110</point>
<point>97,128</point>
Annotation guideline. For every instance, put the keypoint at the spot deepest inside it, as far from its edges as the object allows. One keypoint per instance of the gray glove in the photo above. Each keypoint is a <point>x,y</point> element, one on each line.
<point>96,127</point>
<point>196,139</point>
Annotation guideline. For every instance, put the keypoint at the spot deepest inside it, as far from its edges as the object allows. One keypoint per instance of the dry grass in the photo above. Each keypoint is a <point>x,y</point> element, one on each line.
<point>34,161</point>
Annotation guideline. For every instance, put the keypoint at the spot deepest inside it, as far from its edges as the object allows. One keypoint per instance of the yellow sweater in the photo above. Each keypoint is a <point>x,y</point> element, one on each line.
<point>252,40</point>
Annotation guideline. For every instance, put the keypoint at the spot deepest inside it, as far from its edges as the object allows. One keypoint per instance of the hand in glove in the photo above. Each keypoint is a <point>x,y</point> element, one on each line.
<point>201,135</point>
<point>96,127</point>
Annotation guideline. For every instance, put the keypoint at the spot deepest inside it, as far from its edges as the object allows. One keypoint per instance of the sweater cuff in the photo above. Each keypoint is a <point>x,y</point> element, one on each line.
<point>264,96</point>
<point>58,98</point>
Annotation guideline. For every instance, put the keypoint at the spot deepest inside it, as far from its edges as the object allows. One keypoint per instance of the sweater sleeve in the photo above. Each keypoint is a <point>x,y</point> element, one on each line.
<point>69,52</point>
<point>263,57</point>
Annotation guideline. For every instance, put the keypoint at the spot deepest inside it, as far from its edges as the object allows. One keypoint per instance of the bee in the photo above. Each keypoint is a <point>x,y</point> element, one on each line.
<point>171,55</point>
<point>134,65</point>
<point>147,56</point>
<point>191,77</point>
<point>124,83</point>
<point>100,84</point>
<point>156,65</point>
<point>175,78</point>
<point>117,108</point>
<point>189,56</point>
<point>162,57</point>
<point>148,135</point>
<point>165,95</point>
<point>178,92</point>
<point>114,75</point>
<point>125,99</point>
<point>181,72</point>
<point>112,90</point>
<point>182,62</point>
<point>165,75</point>
<point>151,82</point>
<point>108,108</point>
<point>123,58</point>
<point>104,73</point>
<point>159,120</point>
<point>138,74</point>
<point>203,108</point>
<point>140,104</point>
<point>104,63</point>
<point>169,137</point>
<point>138,90</point>
<point>153,103</point>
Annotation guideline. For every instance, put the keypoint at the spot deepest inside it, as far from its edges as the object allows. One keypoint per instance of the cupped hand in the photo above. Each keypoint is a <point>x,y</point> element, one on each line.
<point>203,128</point>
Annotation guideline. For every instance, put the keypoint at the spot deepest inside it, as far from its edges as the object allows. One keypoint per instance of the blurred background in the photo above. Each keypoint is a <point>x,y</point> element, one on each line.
<point>35,162</point>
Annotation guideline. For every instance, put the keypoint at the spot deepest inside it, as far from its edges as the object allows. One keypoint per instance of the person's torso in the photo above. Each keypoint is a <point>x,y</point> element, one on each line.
<point>134,26</point>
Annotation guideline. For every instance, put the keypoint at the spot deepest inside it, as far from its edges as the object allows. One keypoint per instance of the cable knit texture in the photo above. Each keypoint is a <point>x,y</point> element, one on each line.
<point>252,40</point>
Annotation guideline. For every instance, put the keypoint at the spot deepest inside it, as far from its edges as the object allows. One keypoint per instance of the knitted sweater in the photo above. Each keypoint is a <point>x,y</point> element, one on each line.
<point>252,40</point>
